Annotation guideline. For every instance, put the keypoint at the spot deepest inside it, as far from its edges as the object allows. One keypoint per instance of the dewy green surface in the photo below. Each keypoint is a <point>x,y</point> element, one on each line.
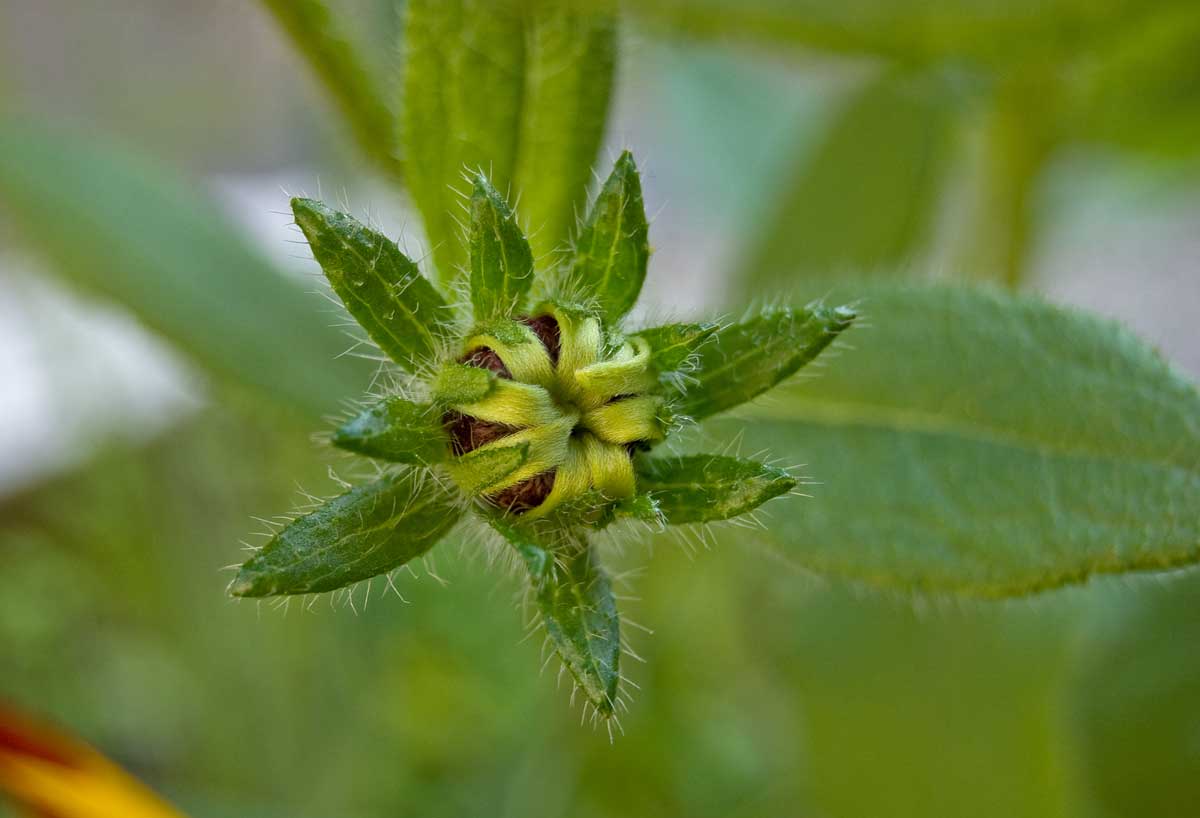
<point>396,430</point>
<point>575,599</point>
<point>385,292</point>
<point>369,530</point>
<point>984,444</point>
<point>744,360</point>
<point>704,488</point>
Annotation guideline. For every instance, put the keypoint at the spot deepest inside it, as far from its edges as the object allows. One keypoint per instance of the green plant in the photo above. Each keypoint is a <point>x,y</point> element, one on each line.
<point>539,407</point>
<point>972,442</point>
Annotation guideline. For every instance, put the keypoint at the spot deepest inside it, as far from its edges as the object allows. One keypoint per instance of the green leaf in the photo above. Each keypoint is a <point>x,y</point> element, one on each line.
<point>863,199</point>
<point>960,704</point>
<point>612,249</point>
<point>908,31</point>
<point>570,61</point>
<point>397,430</point>
<point>575,599</point>
<point>673,345</point>
<point>464,79</point>
<point>704,488</point>
<point>1134,700</point>
<point>987,445</point>
<point>345,74</point>
<point>384,291</point>
<point>746,359</point>
<point>477,471</point>
<point>501,261</point>
<point>367,531</point>
<point>116,224</point>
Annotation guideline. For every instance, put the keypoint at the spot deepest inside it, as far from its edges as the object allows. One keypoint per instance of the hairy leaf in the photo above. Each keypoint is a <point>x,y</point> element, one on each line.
<point>703,488</point>
<point>570,62</point>
<point>367,531</point>
<point>672,345</point>
<point>744,360</point>
<point>464,79</point>
<point>612,249</point>
<point>501,261</point>
<point>397,430</point>
<point>988,445</point>
<point>384,291</point>
<point>116,224</point>
<point>863,198</point>
<point>476,472</point>
<point>575,599</point>
<point>345,74</point>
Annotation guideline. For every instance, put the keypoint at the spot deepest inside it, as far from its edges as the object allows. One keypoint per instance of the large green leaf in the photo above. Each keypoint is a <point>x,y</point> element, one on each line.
<point>987,445</point>
<point>344,72</point>
<point>464,77</point>
<point>947,710</point>
<point>745,359</point>
<point>119,225</point>
<point>570,60</point>
<point>518,89</point>
<point>1135,700</point>
<point>382,288</point>
<point>863,198</point>
<point>367,531</point>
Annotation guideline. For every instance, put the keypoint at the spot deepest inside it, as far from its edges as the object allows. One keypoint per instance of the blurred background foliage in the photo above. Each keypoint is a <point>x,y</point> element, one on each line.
<point>1049,146</point>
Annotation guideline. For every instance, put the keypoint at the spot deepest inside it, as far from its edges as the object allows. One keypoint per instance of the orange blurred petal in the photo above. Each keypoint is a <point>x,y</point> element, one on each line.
<point>58,776</point>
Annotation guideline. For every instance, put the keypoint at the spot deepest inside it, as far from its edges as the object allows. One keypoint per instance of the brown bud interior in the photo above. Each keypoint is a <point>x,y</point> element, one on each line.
<point>546,329</point>
<point>468,433</point>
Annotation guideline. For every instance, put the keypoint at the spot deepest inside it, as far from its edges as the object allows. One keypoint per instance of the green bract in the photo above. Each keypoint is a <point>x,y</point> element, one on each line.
<point>536,414</point>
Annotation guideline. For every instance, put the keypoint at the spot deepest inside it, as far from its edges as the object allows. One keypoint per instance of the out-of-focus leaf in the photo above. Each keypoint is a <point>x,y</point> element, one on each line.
<point>570,62</point>
<point>518,89</point>
<point>863,199</point>
<point>1019,132</point>
<point>464,78</point>
<point>1135,702</point>
<point>946,710</point>
<point>613,246</point>
<point>116,224</point>
<point>745,359</point>
<point>575,599</point>
<point>397,430</point>
<point>501,261</point>
<point>314,30</point>
<point>987,445</point>
<point>1144,92</point>
<point>703,488</point>
<point>915,31</point>
<point>381,287</point>
<point>367,531</point>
